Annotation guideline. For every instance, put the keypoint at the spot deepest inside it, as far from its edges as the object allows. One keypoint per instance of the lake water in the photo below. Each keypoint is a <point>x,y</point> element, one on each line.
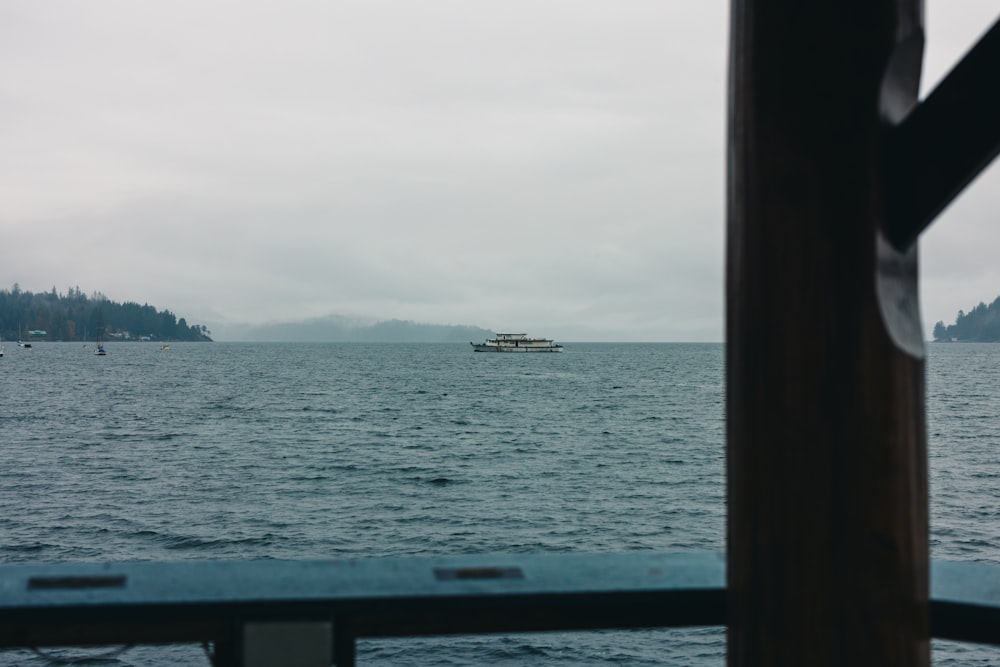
<point>314,451</point>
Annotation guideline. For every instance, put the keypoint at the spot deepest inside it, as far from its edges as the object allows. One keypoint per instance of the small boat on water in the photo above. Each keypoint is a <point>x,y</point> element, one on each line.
<point>164,348</point>
<point>516,342</point>
<point>22,343</point>
<point>99,350</point>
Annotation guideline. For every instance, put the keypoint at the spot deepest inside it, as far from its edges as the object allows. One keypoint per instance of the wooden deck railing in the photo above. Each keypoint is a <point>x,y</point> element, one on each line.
<point>311,612</point>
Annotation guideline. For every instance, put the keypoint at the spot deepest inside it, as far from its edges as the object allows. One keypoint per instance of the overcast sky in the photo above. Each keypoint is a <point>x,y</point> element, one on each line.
<point>548,166</point>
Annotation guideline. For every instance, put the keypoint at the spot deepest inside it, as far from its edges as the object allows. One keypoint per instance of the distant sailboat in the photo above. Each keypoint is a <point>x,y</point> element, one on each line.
<point>21,343</point>
<point>99,350</point>
<point>1,347</point>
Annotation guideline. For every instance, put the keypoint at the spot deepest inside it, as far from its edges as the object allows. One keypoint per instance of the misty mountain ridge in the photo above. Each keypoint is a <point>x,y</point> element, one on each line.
<point>340,329</point>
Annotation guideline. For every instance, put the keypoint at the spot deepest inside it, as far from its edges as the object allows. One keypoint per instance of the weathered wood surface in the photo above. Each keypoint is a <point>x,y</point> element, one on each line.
<point>827,533</point>
<point>946,142</point>
<point>192,601</point>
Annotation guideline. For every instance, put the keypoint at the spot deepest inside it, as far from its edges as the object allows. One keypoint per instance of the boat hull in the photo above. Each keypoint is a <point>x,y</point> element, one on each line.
<point>479,347</point>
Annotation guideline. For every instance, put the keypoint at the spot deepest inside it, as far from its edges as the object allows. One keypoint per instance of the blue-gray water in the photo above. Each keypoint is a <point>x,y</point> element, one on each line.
<point>224,451</point>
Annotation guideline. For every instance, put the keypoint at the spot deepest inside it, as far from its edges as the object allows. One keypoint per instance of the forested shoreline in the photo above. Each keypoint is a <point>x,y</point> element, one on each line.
<point>74,316</point>
<point>979,325</point>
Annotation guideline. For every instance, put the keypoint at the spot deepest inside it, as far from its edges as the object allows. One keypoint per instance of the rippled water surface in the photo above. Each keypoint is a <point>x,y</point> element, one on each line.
<point>221,451</point>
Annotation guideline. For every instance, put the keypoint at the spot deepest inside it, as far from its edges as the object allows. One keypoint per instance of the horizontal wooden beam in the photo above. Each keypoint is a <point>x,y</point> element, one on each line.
<point>945,142</point>
<point>176,602</point>
<point>78,604</point>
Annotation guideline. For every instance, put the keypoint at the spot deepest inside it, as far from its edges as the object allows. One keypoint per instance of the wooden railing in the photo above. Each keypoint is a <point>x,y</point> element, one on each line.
<point>311,612</point>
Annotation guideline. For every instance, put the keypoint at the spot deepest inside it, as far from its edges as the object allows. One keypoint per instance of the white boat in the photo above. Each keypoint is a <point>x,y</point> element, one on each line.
<point>516,342</point>
<point>1,347</point>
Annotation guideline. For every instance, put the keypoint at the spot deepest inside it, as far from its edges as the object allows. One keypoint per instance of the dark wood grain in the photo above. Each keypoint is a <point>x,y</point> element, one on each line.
<point>939,148</point>
<point>827,495</point>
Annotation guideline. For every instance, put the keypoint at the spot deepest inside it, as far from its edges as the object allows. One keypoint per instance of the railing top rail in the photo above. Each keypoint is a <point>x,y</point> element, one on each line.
<point>47,586</point>
<point>65,603</point>
<point>86,603</point>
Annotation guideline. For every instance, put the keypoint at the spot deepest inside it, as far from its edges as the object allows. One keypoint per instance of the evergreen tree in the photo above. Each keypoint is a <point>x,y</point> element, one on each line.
<point>981,324</point>
<point>67,317</point>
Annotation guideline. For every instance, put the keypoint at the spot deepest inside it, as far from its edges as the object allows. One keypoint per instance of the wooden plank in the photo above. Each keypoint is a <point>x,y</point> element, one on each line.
<point>945,142</point>
<point>209,600</point>
<point>827,480</point>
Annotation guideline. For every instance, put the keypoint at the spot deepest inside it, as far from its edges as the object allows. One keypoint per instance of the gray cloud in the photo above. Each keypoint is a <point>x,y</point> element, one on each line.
<point>556,166</point>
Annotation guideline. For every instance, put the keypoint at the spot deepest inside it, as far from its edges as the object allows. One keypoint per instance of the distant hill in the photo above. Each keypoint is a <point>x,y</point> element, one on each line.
<point>980,325</point>
<point>335,328</point>
<point>74,316</point>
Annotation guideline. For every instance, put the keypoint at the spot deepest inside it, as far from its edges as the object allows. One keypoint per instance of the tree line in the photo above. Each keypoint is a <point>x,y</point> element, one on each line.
<point>74,316</point>
<point>981,324</point>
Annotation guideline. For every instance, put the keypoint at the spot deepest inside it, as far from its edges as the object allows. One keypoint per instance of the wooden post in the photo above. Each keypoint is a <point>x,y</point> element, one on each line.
<point>827,473</point>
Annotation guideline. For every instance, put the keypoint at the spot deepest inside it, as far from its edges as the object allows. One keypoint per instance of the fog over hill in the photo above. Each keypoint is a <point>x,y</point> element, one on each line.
<point>337,328</point>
